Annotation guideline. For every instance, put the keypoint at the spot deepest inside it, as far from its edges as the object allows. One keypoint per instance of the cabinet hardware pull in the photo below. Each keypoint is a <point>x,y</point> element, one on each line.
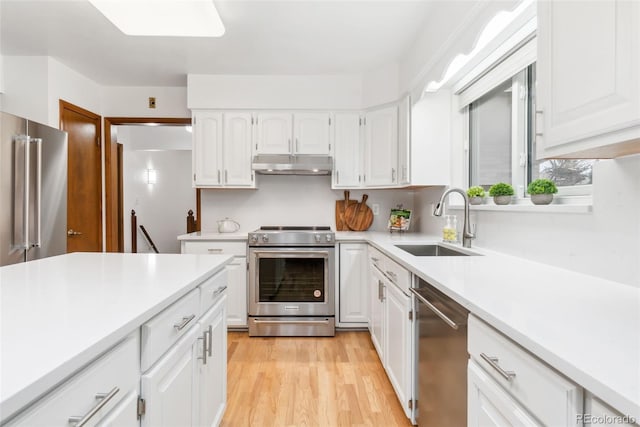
<point>289,144</point>
<point>218,176</point>
<point>380,290</point>
<point>226,178</point>
<point>210,331</point>
<point>392,275</point>
<point>297,145</point>
<point>393,175</point>
<point>185,321</point>
<point>337,177</point>
<point>79,421</point>
<point>493,362</point>
<point>219,291</point>
<point>535,123</point>
<point>291,322</point>
<point>215,250</point>
<point>375,259</point>
<point>204,347</point>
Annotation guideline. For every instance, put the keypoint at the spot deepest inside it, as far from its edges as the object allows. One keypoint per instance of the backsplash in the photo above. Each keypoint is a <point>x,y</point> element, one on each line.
<point>292,200</point>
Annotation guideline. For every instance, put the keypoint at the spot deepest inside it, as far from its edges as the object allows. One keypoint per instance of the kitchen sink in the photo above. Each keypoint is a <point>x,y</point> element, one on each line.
<point>431,250</point>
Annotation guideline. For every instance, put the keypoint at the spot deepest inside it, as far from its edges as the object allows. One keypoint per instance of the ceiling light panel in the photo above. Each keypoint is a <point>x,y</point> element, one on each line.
<point>177,18</point>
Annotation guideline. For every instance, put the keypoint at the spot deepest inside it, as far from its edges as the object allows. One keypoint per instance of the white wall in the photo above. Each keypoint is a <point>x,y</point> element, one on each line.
<point>162,207</point>
<point>603,243</point>
<point>291,200</point>
<point>71,86</point>
<point>380,86</point>
<point>134,101</point>
<point>274,91</point>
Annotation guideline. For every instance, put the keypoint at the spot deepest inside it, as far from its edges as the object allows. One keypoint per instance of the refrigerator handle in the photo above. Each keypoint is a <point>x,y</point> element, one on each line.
<point>38,220</point>
<point>24,242</point>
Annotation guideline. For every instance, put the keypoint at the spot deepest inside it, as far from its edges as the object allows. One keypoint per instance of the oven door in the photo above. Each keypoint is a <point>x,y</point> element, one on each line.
<point>291,281</point>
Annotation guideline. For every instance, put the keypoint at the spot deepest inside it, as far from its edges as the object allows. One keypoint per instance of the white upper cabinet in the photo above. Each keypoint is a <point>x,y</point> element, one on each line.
<point>238,139</point>
<point>381,147</point>
<point>404,141</point>
<point>347,172</point>
<point>311,133</point>
<point>207,148</point>
<point>222,145</point>
<point>274,134</point>
<point>294,133</point>
<point>588,79</point>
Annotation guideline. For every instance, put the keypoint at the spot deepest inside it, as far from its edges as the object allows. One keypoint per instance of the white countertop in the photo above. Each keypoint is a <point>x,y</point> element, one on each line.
<point>213,235</point>
<point>59,313</point>
<point>585,327</point>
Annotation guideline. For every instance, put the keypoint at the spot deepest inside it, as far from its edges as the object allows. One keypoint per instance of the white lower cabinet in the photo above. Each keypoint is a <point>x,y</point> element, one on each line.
<point>353,299</point>
<point>94,394</point>
<point>377,313</point>
<point>596,412</point>
<point>170,387</point>
<point>540,392</point>
<point>212,371</point>
<point>237,270</point>
<point>490,405</point>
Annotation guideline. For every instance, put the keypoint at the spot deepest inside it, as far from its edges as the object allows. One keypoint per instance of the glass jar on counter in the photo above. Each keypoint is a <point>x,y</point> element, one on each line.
<point>450,229</point>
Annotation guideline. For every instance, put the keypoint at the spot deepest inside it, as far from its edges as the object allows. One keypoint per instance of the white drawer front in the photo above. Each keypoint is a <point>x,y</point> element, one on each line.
<point>238,248</point>
<point>159,333</point>
<point>548,395</point>
<point>212,289</point>
<point>115,374</point>
<point>376,258</point>
<point>398,275</point>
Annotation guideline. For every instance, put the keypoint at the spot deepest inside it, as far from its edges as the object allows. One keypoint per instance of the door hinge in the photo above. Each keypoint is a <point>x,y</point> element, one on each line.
<point>329,121</point>
<point>413,403</point>
<point>360,121</point>
<point>329,147</point>
<point>256,145</point>
<point>194,176</point>
<point>411,315</point>
<point>142,407</point>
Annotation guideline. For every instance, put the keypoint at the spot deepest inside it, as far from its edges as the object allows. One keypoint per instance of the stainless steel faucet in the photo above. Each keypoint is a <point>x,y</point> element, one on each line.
<point>467,235</point>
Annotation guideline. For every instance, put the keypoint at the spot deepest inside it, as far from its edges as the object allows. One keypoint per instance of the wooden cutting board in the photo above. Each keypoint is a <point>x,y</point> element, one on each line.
<point>358,216</point>
<point>341,207</point>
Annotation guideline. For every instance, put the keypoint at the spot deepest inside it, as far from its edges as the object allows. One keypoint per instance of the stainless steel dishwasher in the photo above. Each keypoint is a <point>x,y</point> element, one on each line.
<point>442,358</point>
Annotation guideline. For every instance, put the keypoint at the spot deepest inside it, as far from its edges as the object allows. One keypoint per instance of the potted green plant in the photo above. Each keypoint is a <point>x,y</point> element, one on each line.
<point>542,191</point>
<point>476,195</point>
<point>501,193</point>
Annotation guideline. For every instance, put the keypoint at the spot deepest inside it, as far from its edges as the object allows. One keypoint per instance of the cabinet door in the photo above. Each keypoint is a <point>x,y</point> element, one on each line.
<point>381,148</point>
<point>311,133</point>
<point>238,142</point>
<point>170,387</point>
<point>207,148</point>
<point>212,397</point>
<point>274,133</point>
<point>398,332</point>
<point>237,293</point>
<point>588,77</point>
<point>354,298</point>
<point>489,405</point>
<point>347,148</point>
<point>376,318</point>
<point>404,140</point>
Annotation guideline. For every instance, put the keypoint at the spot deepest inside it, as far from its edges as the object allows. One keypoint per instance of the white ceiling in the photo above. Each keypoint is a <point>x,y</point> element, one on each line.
<point>262,37</point>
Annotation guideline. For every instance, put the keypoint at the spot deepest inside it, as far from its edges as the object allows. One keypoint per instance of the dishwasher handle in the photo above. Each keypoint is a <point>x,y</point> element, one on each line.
<point>433,308</point>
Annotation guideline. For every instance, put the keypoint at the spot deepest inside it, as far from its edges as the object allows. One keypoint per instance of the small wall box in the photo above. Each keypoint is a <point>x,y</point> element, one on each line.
<point>399,220</point>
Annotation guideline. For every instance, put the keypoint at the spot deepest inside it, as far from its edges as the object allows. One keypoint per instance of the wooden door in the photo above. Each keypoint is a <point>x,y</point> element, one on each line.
<point>84,175</point>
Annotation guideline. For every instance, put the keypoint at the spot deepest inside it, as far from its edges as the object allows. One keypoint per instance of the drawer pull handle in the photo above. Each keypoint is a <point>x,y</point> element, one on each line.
<point>204,347</point>
<point>210,331</point>
<point>392,275</point>
<point>104,399</point>
<point>215,250</point>
<point>375,259</point>
<point>219,291</point>
<point>493,361</point>
<point>185,321</point>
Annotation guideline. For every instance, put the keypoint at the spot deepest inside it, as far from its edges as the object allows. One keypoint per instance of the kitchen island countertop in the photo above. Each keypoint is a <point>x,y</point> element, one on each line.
<point>59,313</point>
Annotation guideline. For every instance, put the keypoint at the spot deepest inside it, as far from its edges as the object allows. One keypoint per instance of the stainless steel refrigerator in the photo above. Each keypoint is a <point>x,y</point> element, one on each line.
<point>33,190</point>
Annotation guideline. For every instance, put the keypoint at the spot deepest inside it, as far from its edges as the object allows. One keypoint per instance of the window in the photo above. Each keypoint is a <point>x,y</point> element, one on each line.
<point>502,142</point>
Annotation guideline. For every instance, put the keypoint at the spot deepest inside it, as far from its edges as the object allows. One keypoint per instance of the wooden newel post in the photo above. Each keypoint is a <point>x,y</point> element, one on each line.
<point>191,222</point>
<point>134,229</point>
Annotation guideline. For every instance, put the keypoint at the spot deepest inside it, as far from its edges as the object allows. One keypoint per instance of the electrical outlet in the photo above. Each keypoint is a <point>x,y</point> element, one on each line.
<point>152,102</point>
<point>375,208</point>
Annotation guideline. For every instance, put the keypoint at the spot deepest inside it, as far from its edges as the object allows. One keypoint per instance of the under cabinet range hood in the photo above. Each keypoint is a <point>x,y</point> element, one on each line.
<point>285,164</point>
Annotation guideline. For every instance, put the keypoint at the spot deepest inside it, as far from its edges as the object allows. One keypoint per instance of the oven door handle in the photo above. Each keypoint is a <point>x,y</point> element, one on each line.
<point>291,254</point>
<point>291,322</point>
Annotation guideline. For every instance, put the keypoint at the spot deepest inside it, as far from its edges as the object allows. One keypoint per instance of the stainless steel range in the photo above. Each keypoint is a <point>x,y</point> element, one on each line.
<point>291,281</point>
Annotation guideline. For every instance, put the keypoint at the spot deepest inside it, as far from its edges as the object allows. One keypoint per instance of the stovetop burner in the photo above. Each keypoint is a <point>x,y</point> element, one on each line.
<point>294,228</point>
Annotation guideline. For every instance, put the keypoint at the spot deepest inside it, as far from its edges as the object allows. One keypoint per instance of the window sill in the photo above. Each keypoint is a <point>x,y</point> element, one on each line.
<point>559,205</point>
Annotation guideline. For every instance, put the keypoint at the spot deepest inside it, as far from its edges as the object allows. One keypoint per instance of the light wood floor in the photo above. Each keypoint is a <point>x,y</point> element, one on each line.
<point>320,382</point>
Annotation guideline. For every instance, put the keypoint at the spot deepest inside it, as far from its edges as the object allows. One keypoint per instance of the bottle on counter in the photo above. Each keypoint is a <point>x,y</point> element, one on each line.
<point>450,229</point>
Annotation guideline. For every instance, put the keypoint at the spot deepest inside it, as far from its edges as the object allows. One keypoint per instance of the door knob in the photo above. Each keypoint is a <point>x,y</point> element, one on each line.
<point>71,232</point>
